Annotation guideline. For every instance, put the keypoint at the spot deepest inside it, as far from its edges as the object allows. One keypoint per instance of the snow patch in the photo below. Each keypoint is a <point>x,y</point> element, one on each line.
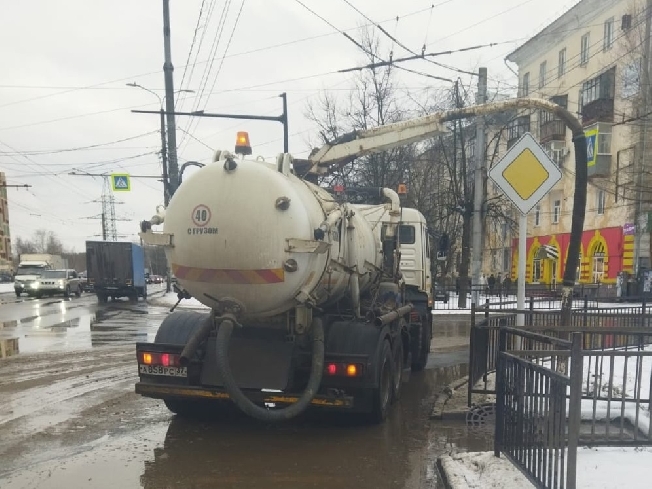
<point>481,470</point>
<point>6,287</point>
<point>597,468</point>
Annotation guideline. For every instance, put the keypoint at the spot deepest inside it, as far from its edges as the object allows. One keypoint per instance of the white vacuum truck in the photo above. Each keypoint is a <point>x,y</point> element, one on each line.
<point>314,301</point>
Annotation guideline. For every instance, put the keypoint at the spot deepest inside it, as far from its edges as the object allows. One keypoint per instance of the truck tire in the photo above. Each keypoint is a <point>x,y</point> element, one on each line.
<point>421,358</point>
<point>382,395</point>
<point>397,380</point>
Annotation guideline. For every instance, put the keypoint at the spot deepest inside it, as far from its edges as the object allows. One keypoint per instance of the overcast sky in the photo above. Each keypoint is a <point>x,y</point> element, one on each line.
<point>65,64</point>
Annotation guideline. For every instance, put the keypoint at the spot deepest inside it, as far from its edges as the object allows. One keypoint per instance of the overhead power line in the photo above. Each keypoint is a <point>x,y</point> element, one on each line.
<point>79,148</point>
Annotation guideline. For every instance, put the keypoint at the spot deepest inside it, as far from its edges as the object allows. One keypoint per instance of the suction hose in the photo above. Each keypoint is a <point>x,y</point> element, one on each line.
<point>243,402</point>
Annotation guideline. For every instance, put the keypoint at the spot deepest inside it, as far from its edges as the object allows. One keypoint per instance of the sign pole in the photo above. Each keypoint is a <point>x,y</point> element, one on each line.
<point>522,250</point>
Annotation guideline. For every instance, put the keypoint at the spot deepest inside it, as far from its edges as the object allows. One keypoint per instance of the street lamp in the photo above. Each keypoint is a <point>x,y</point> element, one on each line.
<point>164,149</point>
<point>164,158</point>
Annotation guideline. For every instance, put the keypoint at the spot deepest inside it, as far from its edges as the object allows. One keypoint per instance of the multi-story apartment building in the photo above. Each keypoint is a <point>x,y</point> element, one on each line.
<point>588,60</point>
<point>5,238</point>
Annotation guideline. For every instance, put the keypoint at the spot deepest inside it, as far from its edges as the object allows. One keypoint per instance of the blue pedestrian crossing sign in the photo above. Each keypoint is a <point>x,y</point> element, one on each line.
<point>591,149</point>
<point>120,182</point>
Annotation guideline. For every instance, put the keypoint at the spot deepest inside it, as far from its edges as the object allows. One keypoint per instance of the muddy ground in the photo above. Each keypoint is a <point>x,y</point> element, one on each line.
<point>69,416</point>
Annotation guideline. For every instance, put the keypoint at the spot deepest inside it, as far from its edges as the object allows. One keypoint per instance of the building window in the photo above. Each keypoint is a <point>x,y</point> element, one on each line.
<point>537,215</point>
<point>556,211</point>
<point>542,74</point>
<point>599,88</point>
<point>630,76</point>
<point>584,49</point>
<point>526,85</point>
<point>602,200</point>
<point>536,270</point>
<point>516,128</point>
<point>507,260</point>
<point>561,67</point>
<point>608,34</point>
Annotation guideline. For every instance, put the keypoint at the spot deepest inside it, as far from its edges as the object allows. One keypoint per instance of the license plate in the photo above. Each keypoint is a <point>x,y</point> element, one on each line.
<point>165,371</point>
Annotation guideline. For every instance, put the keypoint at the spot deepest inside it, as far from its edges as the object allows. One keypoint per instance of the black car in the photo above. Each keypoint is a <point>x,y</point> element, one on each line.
<point>6,277</point>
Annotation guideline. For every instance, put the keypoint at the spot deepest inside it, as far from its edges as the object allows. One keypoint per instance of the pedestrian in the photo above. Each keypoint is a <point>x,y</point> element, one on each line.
<point>492,283</point>
<point>507,285</point>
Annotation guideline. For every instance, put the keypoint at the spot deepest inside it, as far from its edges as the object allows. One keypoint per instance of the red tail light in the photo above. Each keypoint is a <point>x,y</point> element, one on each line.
<point>345,369</point>
<point>155,358</point>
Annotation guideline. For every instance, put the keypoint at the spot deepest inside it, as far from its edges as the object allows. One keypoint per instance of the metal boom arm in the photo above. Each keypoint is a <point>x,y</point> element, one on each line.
<point>359,143</point>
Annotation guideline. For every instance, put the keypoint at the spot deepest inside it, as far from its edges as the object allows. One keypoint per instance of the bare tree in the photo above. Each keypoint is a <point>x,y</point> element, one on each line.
<point>42,241</point>
<point>374,101</point>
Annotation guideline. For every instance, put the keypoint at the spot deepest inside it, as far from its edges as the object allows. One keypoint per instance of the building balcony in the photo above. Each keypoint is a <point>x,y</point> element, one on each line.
<point>600,110</point>
<point>553,130</point>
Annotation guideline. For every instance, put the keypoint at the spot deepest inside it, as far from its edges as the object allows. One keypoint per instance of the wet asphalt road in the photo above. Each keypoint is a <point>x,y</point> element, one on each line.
<point>69,417</point>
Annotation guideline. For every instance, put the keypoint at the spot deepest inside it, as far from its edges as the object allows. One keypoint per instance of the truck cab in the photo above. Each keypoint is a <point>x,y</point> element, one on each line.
<point>27,274</point>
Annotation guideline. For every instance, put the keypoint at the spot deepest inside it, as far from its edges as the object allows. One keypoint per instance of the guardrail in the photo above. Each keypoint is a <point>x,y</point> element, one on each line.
<point>483,347</point>
<point>531,413</point>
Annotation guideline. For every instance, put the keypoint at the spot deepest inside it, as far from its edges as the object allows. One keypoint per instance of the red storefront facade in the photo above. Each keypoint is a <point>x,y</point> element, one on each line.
<point>604,253</point>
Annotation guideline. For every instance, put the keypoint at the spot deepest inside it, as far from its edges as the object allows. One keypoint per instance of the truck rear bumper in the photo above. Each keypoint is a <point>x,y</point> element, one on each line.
<point>162,391</point>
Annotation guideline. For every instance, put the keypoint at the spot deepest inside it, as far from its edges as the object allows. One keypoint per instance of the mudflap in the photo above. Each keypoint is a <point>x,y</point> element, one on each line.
<point>259,360</point>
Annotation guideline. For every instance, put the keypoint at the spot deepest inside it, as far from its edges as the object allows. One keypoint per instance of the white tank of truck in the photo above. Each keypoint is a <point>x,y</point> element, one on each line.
<point>253,232</point>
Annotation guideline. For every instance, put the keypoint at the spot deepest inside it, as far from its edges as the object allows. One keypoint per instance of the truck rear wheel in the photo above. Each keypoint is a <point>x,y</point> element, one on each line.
<point>398,369</point>
<point>382,395</point>
<point>421,358</point>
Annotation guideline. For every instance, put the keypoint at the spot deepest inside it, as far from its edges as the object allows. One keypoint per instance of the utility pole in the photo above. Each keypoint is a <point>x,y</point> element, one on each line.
<point>478,191</point>
<point>645,99</point>
<point>168,69</point>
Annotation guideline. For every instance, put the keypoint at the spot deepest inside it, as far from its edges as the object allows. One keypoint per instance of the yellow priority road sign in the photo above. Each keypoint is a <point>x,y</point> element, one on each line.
<point>526,173</point>
<point>120,182</point>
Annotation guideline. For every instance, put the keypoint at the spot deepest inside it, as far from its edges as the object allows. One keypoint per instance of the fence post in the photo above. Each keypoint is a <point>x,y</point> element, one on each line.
<point>500,392</point>
<point>531,320</point>
<point>644,311</point>
<point>585,313</point>
<point>574,408</point>
<point>471,366</point>
<point>486,308</point>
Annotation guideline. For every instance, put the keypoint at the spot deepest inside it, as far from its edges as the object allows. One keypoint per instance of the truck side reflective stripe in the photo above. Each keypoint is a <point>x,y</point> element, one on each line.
<point>229,276</point>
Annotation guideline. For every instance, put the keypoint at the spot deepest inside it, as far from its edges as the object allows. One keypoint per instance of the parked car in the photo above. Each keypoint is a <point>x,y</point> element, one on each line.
<point>53,282</point>
<point>440,293</point>
<point>6,277</point>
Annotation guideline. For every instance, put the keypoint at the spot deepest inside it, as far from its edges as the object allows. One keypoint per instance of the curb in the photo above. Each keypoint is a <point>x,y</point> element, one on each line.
<point>442,474</point>
<point>446,394</point>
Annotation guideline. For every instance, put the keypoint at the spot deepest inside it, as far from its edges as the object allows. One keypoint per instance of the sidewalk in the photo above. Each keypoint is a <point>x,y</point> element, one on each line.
<point>597,468</point>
